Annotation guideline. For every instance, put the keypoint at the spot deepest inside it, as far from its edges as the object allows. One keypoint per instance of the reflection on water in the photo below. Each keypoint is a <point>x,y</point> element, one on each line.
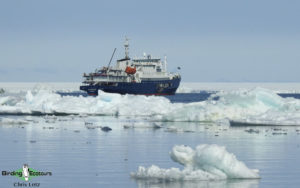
<point>199,184</point>
<point>80,154</point>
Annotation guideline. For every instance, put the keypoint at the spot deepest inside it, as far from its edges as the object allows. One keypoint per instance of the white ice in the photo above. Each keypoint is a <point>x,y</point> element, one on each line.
<point>206,162</point>
<point>9,121</point>
<point>258,105</point>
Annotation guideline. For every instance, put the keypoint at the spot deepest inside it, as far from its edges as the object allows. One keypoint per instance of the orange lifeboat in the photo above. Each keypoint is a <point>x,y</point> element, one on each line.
<point>130,70</point>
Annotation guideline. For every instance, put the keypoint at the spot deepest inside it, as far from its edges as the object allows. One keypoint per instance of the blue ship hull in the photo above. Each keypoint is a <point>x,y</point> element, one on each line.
<point>157,87</point>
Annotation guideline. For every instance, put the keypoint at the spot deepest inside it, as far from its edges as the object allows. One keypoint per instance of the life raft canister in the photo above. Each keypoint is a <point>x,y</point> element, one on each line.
<point>130,70</point>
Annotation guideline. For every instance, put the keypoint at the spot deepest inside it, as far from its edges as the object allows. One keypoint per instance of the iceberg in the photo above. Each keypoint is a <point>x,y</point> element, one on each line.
<point>206,162</point>
<point>257,105</point>
<point>49,102</point>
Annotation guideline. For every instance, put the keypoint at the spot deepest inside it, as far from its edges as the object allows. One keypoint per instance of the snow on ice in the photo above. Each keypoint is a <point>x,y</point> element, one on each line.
<point>206,162</point>
<point>257,105</point>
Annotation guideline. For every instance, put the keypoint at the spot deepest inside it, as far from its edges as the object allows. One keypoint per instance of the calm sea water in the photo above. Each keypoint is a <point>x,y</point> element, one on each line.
<point>79,156</point>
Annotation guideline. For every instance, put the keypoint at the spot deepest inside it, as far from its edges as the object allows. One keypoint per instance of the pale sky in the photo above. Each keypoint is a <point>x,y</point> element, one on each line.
<point>232,40</point>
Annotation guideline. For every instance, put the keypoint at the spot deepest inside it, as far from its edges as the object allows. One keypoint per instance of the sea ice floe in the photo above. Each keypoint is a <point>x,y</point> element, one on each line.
<point>9,121</point>
<point>206,162</point>
<point>258,105</point>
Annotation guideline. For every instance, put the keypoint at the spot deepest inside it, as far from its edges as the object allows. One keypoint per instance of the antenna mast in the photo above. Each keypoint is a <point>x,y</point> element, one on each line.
<point>165,63</point>
<point>126,45</point>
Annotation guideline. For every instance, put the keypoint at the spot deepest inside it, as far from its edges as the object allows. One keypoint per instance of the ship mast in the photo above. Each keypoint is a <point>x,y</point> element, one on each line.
<point>165,63</point>
<point>111,59</point>
<point>109,64</point>
<point>126,45</point>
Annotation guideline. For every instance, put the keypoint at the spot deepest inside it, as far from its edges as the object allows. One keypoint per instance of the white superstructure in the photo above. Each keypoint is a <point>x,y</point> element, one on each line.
<point>132,70</point>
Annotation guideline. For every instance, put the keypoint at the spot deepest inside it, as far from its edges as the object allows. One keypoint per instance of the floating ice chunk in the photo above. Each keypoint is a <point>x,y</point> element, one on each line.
<point>257,105</point>
<point>206,162</point>
<point>174,129</point>
<point>3,100</point>
<point>9,121</point>
<point>252,131</point>
<point>215,158</point>
<point>143,125</point>
<point>183,155</point>
<point>8,100</point>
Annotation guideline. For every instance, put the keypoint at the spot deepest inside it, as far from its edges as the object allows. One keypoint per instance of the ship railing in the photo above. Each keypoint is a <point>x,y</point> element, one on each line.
<point>110,79</point>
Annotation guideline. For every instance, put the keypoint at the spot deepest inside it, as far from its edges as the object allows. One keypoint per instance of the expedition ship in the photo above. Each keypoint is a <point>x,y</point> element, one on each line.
<point>141,76</point>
